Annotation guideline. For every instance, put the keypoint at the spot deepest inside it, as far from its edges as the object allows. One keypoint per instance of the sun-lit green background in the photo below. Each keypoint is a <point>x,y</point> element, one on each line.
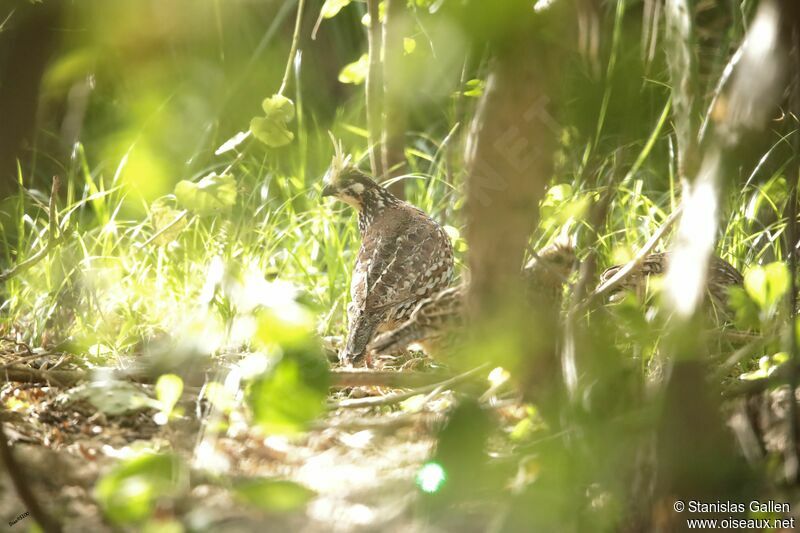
<point>140,95</point>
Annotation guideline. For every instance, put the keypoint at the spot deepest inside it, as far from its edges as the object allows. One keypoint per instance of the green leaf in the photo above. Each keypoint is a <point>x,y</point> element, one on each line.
<point>474,88</point>
<point>211,195</point>
<point>425,3</point>
<point>286,399</point>
<point>366,20</point>
<point>271,129</point>
<point>745,309</point>
<point>409,45</point>
<point>766,285</point>
<point>162,215</point>
<point>273,495</point>
<point>755,283</point>
<point>128,492</point>
<point>278,107</point>
<point>522,430</point>
<point>558,193</point>
<point>110,397</point>
<point>292,393</point>
<point>456,239</point>
<point>232,143</point>
<point>355,72</point>
<point>289,327</point>
<point>766,366</point>
<point>331,8</point>
<point>169,388</point>
<point>220,397</point>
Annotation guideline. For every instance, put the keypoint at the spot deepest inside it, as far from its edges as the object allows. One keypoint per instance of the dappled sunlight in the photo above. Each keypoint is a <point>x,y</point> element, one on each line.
<point>559,292</point>
<point>686,277</point>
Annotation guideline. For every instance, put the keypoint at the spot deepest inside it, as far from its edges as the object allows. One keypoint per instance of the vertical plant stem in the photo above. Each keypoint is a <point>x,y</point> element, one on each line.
<point>374,88</point>
<point>682,62</point>
<point>455,146</point>
<point>293,49</point>
<point>396,102</point>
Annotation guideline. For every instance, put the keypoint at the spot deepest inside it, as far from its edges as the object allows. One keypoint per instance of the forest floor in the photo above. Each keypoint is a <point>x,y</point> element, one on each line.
<point>361,462</point>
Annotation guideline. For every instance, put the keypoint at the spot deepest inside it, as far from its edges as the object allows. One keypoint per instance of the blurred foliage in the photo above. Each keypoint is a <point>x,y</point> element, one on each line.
<point>129,492</point>
<point>169,388</point>
<point>189,240</point>
<point>273,496</point>
<point>211,195</point>
<point>111,397</point>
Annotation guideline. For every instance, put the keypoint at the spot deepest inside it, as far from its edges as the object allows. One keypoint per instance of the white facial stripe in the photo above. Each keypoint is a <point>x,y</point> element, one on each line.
<point>356,188</point>
<point>350,200</point>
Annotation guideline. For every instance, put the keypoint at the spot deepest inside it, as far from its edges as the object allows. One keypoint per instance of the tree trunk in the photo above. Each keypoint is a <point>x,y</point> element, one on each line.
<point>510,158</point>
<point>26,43</point>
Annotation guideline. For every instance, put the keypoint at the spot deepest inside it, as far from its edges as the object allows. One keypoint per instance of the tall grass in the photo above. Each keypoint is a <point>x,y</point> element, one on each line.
<point>109,285</point>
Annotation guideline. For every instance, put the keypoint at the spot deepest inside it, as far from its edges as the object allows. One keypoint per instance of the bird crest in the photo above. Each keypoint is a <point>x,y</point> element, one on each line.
<point>340,162</point>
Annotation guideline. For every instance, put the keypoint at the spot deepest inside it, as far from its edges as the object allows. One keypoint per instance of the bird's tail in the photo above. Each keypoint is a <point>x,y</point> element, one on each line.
<point>396,340</point>
<point>359,334</point>
<point>609,273</point>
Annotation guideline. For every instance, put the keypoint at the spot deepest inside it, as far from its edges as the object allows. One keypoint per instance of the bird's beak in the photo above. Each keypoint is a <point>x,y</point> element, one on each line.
<point>328,190</point>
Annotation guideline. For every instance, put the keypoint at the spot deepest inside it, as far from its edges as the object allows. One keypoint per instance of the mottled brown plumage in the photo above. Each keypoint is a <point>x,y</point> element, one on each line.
<point>721,275</point>
<point>443,314</point>
<point>405,257</point>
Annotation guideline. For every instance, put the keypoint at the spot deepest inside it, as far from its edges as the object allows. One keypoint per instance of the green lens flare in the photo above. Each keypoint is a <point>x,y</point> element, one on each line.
<point>431,477</point>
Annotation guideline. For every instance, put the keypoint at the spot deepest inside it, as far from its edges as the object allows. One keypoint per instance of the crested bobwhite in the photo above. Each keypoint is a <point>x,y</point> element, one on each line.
<point>443,313</point>
<point>721,275</point>
<point>405,256</point>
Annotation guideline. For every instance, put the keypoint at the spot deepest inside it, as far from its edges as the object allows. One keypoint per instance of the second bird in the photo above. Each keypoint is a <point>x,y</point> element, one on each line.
<point>405,257</point>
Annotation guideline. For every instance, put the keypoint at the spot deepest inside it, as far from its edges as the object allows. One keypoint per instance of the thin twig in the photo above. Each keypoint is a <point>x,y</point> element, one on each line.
<point>780,376</point>
<point>399,397</point>
<point>339,378</point>
<point>19,344</point>
<point>383,378</point>
<point>737,356</point>
<point>24,374</point>
<point>161,231</point>
<point>382,423</point>
<point>54,239</point>
<point>721,85</point>
<point>32,260</point>
<point>586,274</point>
<point>637,260</point>
<point>25,359</point>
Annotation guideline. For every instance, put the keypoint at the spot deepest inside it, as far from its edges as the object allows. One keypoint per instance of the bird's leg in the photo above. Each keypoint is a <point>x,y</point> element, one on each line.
<point>344,358</point>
